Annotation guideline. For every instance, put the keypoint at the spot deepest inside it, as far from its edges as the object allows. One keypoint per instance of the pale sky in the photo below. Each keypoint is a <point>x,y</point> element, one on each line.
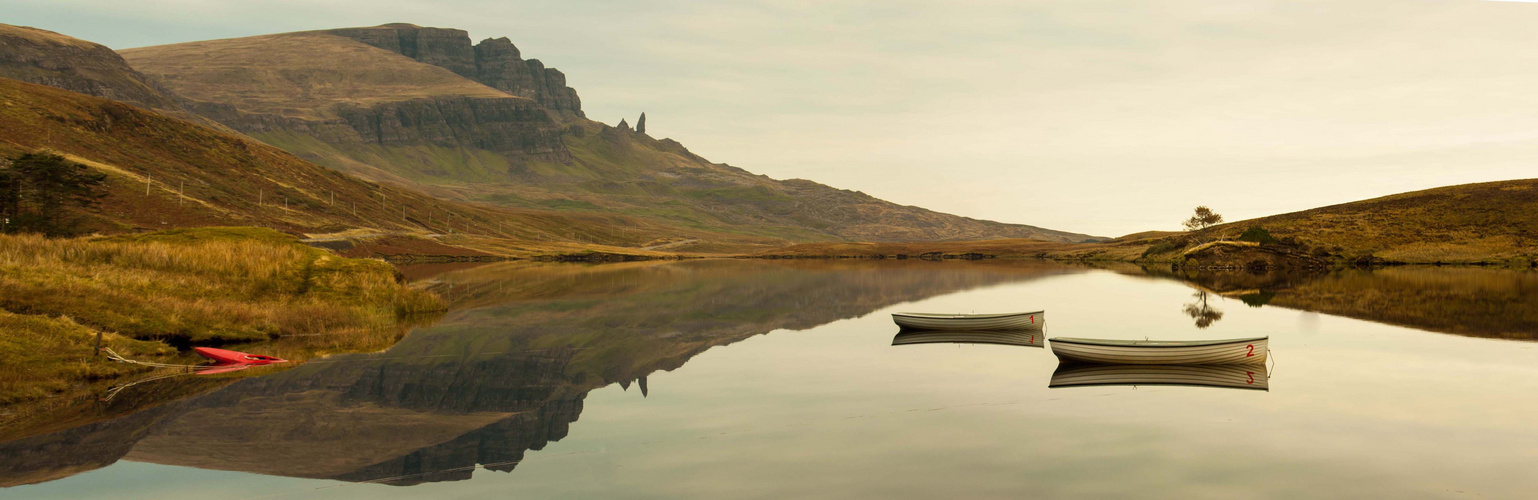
<point>1097,116</point>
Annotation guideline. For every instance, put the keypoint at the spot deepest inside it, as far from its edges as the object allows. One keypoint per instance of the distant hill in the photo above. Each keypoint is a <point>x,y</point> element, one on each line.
<point>423,107</point>
<point>1464,223</point>
<point>48,58</point>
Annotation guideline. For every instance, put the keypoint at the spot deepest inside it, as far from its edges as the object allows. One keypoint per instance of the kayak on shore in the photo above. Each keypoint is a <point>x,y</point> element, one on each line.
<point>228,357</point>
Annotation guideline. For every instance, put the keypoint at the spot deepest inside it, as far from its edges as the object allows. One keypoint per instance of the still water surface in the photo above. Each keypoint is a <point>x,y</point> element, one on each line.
<point>770,380</point>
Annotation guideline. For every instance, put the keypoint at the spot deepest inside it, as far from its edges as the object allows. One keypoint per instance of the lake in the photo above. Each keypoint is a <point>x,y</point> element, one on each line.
<point>775,379</point>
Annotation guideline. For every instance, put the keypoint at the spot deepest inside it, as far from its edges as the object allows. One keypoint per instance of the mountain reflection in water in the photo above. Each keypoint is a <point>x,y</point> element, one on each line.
<point>506,372</point>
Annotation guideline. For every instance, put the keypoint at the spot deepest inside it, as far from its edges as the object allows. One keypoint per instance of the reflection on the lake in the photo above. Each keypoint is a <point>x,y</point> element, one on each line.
<point>826,407</point>
<point>1468,301</point>
<point>1231,376</point>
<point>1031,338</point>
<point>1201,311</point>
<point>506,373</point>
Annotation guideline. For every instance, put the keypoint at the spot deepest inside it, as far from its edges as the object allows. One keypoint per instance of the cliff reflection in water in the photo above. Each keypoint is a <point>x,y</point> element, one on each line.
<point>1476,302</point>
<point>506,373</point>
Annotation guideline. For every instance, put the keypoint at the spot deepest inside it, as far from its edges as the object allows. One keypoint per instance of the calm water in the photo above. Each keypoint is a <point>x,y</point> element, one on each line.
<point>771,380</point>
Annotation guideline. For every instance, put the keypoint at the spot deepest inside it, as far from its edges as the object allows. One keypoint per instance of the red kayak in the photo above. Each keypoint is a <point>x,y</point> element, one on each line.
<point>228,357</point>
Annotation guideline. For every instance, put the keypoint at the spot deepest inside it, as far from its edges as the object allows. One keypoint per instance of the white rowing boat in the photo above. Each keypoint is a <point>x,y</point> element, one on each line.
<point>971,322</point>
<point>1023,338</point>
<point>1229,376</point>
<point>1161,352</point>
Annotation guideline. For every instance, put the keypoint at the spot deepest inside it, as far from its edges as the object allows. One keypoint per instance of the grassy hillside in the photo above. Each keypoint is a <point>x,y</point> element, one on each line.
<point>373,112</point>
<point>1465,223</point>
<point>41,56</point>
<point>297,74</point>
<point>1488,223</point>
<point>166,173</point>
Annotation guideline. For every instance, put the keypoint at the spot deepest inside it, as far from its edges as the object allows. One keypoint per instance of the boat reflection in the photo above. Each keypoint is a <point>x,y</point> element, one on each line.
<point>1225,376</point>
<point>1014,338</point>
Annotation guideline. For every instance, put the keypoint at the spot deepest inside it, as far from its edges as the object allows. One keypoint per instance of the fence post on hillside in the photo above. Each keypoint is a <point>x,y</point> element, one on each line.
<point>147,181</point>
<point>259,193</point>
<point>181,197</point>
<point>355,209</point>
<point>98,344</point>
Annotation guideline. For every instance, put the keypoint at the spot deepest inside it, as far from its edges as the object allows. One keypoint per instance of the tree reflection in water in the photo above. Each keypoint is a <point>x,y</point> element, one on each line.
<point>1204,314</point>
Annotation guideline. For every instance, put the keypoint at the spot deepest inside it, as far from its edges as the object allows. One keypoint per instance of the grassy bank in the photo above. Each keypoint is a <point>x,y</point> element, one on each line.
<point>209,286</point>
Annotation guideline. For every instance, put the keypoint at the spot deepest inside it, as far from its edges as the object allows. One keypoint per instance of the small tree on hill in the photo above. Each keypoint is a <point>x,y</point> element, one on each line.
<point>1203,219</point>
<point>37,190</point>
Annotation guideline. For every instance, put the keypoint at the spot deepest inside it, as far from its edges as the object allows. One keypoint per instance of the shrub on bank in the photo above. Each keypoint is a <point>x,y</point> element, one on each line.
<point>1259,235</point>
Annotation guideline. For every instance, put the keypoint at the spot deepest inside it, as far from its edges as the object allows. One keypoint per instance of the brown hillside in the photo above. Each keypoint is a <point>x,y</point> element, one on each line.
<point>442,139</point>
<point>1466,223</point>
<point>198,177</point>
<point>297,75</point>
<point>48,58</point>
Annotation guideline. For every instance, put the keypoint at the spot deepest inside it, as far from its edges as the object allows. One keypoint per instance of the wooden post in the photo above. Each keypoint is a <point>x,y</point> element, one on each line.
<point>98,344</point>
<point>182,196</point>
<point>259,194</point>
<point>355,209</point>
<point>147,181</point>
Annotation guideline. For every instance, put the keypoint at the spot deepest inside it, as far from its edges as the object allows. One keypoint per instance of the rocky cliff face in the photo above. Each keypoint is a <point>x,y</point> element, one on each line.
<point>514,127</point>
<point>495,62</point>
<point>500,125</point>
<point>48,58</point>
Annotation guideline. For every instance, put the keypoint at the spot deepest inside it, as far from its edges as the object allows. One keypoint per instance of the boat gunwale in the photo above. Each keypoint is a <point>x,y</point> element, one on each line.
<point>964,315</point>
<point>1161,344</point>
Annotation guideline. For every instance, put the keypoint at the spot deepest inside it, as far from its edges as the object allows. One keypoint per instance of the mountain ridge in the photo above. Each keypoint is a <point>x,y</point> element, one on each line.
<point>517,157</point>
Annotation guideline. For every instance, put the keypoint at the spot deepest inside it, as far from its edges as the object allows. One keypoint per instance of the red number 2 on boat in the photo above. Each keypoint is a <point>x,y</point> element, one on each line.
<point>1252,351</point>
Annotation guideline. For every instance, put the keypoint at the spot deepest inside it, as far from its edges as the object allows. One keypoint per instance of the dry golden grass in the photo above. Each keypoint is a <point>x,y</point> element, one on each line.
<point>1489,222</point>
<point>207,286</point>
<point>297,75</point>
<point>199,286</point>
